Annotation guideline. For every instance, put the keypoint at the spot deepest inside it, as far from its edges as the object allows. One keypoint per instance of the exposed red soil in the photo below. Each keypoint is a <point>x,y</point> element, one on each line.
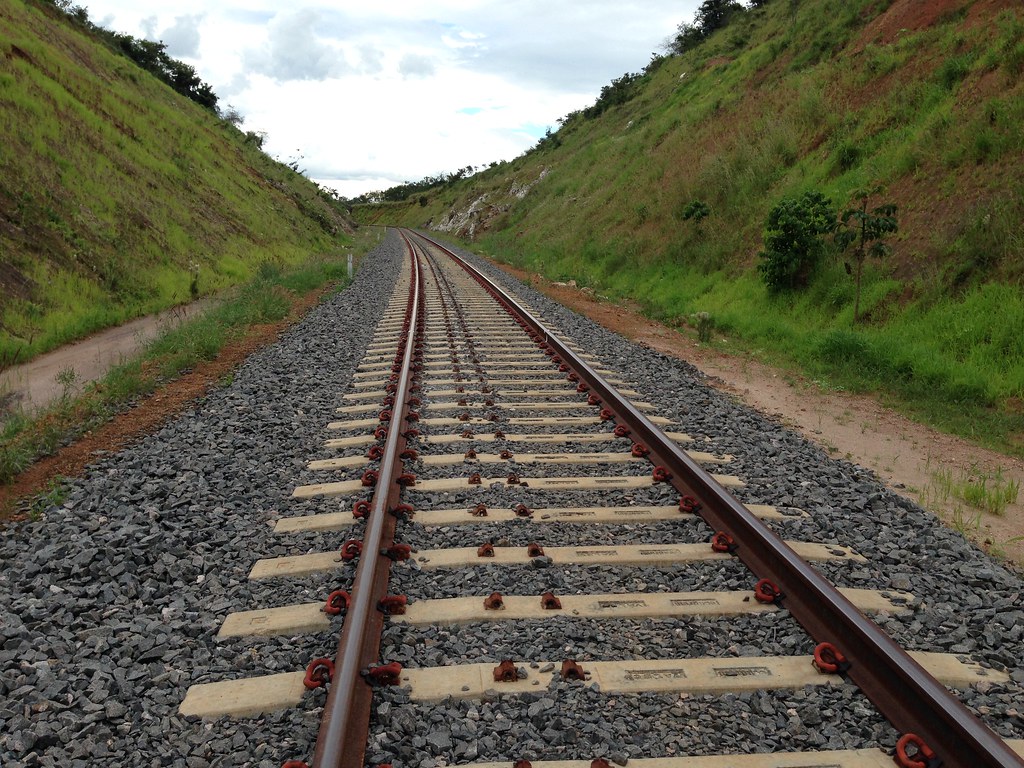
<point>717,61</point>
<point>911,15</point>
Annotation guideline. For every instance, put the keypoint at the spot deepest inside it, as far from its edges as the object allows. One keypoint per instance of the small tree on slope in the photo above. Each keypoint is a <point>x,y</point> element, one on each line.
<point>714,14</point>
<point>865,230</point>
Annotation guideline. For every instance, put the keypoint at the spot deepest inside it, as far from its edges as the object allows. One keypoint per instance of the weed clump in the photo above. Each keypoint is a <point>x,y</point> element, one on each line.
<point>705,324</point>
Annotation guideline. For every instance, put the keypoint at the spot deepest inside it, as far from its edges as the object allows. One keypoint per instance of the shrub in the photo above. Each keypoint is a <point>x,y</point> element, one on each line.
<point>696,210</point>
<point>847,156</point>
<point>193,284</point>
<point>621,90</point>
<point>705,323</point>
<point>792,240</point>
<point>866,231</point>
<point>256,138</point>
<point>953,71</point>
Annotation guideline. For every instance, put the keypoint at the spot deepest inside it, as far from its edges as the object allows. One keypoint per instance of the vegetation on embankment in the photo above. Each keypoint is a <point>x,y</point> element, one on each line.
<point>121,197</point>
<point>825,96</point>
<point>267,298</point>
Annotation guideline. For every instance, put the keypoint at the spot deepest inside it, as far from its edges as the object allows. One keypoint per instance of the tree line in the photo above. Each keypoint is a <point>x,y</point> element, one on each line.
<point>400,192</point>
<point>712,16</point>
<point>151,56</point>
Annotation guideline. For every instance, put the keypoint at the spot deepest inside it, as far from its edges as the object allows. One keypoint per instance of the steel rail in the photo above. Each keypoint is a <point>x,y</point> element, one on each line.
<point>908,696</point>
<point>341,741</point>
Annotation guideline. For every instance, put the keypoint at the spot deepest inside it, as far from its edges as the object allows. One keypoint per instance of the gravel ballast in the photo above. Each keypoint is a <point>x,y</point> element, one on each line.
<point>110,603</point>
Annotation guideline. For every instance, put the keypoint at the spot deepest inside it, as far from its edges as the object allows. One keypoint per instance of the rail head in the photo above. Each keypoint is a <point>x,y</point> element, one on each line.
<point>341,741</point>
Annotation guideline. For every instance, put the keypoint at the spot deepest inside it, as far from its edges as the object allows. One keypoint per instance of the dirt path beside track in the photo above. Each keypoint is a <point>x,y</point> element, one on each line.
<point>35,384</point>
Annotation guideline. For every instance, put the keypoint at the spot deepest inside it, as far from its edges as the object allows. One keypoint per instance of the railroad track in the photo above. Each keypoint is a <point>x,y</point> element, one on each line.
<point>521,537</point>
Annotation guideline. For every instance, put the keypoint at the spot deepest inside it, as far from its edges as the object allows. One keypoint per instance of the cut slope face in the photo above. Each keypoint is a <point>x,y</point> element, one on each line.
<point>926,98</point>
<point>119,196</point>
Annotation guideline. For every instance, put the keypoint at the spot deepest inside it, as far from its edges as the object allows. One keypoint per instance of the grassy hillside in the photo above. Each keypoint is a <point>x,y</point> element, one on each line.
<point>119,197</point>
<point>820,95</point>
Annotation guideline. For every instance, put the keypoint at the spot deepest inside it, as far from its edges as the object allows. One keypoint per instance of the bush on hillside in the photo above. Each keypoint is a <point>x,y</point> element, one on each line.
<point>711,16</point>
<point>697,210</point>
<point>793,243</point>
<point>621,90</point>
<point>715,14</point>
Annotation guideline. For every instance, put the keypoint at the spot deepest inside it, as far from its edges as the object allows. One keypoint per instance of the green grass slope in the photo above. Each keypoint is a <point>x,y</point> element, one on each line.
<point>828,95</point>
<point>118,197</point>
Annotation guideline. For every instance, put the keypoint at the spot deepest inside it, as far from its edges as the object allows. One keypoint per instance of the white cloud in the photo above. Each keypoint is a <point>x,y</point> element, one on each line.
<point>294,51</point>
<point>380,93</point>
<point>416,65</point>
<point>182,37</point>
<point>371,60</point>
<point>464,40</point>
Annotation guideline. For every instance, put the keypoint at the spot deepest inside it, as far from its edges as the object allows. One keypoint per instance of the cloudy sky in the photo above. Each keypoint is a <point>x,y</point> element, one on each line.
<point>368,95</point>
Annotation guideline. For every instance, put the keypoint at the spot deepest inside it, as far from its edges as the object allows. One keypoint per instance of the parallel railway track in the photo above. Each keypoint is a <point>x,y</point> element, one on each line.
<point>474,425</point>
